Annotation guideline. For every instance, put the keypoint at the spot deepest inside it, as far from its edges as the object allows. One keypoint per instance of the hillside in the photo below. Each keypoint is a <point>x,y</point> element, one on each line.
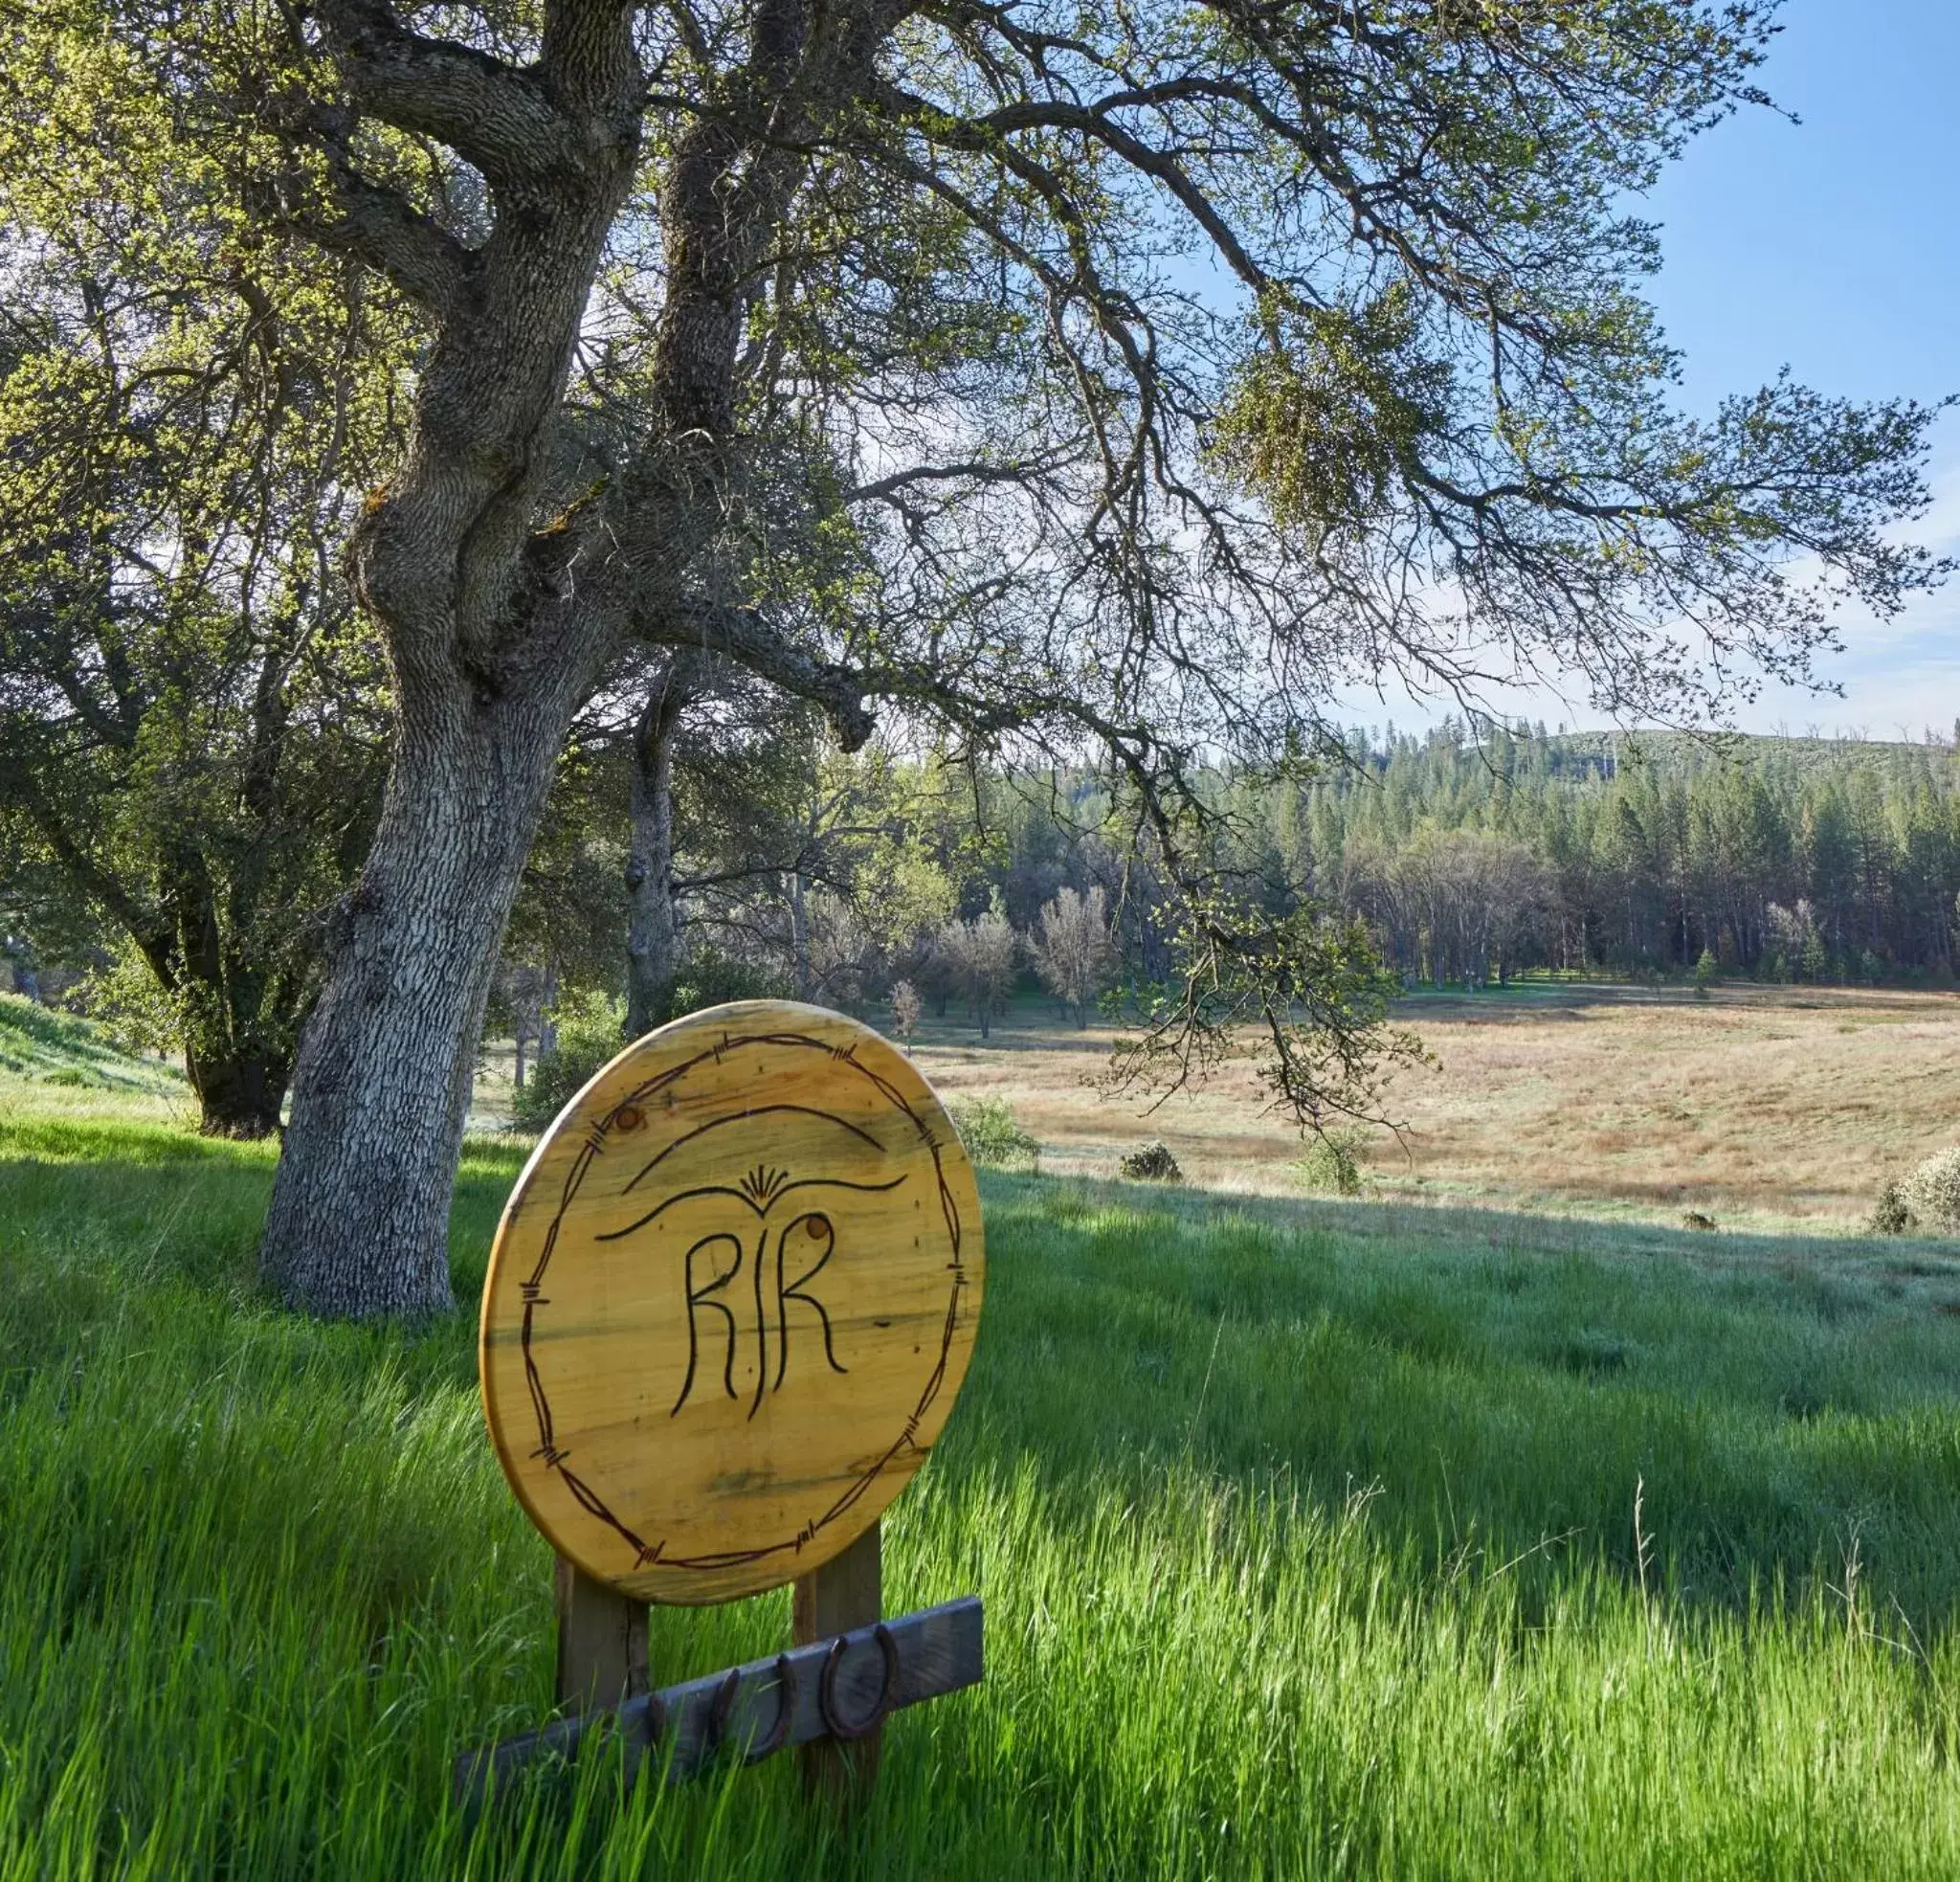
<point>43,1047</point>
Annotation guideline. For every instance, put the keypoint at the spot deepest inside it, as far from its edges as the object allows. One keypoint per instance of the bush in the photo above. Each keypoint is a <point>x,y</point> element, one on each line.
<point>1932,1192</point>
<point>1329,1168</point>
<point>1891,1214</point>
<point>1152,1163</point>
<point>588,1035</point>
<point>993,1135</point>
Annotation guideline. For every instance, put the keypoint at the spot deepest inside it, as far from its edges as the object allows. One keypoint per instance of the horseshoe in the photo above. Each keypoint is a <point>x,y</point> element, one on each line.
<point>786,1711</point>
<point>723,1712</point>
<point>889,1690</point>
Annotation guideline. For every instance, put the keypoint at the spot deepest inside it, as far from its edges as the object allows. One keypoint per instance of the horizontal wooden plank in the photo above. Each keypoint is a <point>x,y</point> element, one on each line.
<point>938,1650</point>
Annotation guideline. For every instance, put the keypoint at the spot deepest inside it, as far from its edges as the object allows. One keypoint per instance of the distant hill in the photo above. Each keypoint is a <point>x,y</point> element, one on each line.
<point>46,1047</point>
<point>1687,753</point>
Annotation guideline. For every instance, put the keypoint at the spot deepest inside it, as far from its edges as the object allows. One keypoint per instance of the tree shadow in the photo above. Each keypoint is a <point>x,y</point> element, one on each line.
<point>1776,1404</point>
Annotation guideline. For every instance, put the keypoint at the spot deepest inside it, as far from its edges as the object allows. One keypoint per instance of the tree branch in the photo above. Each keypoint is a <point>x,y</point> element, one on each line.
<point>382,229</point>
<point>743,636</point>
<point>492,114</point>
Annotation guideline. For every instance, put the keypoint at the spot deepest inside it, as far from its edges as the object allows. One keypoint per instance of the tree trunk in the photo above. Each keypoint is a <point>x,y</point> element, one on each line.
<point>239,1094</point>
<point>547,1008</point>
<point>653,925</point>
<point>359,1208</point>
<point>501,600</point>
<point>799,934</point>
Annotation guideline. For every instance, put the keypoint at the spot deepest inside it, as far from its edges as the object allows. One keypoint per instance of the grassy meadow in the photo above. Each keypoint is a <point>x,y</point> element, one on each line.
<point>1317,1539</point>
<point>1773,1108</point>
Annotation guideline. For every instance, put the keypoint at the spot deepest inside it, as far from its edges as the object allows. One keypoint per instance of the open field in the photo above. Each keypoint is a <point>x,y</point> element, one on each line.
<point>1307,1533</point>
<point>1766,1107</point>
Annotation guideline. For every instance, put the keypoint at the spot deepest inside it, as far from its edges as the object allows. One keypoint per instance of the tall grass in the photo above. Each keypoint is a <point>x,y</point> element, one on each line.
<point>1303,1555</point>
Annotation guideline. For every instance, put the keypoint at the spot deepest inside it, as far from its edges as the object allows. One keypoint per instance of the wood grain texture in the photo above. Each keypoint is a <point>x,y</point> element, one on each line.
<point>939,1649</point>
<point>730,1303</point>
<point>847,1592</point>
<point>602,1641</point>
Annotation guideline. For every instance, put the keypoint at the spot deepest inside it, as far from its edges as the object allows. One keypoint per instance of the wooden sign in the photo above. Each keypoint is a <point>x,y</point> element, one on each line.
<point>730,1303</point>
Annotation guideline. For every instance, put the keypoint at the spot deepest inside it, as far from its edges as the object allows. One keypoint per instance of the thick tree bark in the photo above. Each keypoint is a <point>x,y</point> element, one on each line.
<point>493,648</point>
<point>360,1209</point>
<point>652,930</point>
<point>239,1094</point>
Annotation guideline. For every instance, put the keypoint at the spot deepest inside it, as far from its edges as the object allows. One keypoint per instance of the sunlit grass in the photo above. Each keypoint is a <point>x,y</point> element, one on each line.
<point>1767,1108</point>
<point>53,1063</point>
<point>1304,1553</point>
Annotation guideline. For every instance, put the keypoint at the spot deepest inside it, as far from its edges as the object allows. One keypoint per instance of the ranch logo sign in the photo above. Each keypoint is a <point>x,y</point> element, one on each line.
<point>730,1303</point>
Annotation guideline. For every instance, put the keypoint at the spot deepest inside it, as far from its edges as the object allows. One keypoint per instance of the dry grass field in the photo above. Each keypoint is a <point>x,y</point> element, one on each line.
<point>1768,1107</point>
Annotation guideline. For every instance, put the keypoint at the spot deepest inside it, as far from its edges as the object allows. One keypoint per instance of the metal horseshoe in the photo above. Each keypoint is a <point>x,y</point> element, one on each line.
<point>887,1692</point>
<point>786,1711</point>
<point>722,1713</point>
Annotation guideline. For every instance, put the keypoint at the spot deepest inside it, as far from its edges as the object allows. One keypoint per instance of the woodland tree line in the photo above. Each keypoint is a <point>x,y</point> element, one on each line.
<point>1781,858</point>
<point>759,861</point>
<point>1468,854</point>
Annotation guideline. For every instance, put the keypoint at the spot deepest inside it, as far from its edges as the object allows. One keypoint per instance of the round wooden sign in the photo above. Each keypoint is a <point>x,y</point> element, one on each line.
<point>731,1302</point>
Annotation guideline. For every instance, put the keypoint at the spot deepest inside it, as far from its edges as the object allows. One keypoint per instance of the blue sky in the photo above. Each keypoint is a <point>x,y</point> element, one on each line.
<point>1832,246</point>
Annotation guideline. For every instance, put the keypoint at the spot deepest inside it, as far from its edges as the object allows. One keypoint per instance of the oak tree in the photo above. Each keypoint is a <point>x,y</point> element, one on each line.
<point>1112,381</point>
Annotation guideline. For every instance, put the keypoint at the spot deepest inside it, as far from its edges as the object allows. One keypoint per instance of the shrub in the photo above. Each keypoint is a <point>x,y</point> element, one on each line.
<point>1328,1167</point>
<point>1707,970</point>
<point>993,1135</point>
<point>1890,1214</point>
<point>588,1035</point>
<point>1932,1192</point>
<point>1152,1163</point>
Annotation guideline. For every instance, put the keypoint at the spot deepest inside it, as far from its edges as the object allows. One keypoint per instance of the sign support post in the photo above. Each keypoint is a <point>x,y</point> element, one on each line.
<point>602,1642</point>
<point>843,1593</point>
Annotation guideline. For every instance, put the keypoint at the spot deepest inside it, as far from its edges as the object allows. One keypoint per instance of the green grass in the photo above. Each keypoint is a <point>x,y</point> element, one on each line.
<point>41,1047</point>
<point>1307,1536</point>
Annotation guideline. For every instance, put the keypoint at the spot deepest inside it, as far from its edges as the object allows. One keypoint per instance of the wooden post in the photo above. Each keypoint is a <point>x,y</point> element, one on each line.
<point>845,1592</point>
<point>602,1642</point>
